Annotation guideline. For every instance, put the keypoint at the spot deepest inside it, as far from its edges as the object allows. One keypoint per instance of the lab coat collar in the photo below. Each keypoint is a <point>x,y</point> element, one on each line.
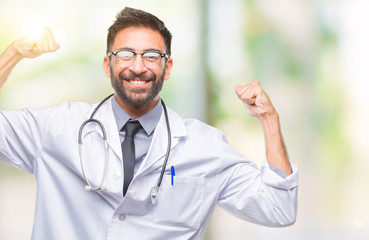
<point>148,121</point>
<point>159,142</point>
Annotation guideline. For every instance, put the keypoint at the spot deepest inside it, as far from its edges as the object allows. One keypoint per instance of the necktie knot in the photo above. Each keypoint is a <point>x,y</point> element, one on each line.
<point>132,128</point>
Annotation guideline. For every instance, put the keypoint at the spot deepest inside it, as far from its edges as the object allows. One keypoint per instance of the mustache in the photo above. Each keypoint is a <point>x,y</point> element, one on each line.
<point>143,77</point>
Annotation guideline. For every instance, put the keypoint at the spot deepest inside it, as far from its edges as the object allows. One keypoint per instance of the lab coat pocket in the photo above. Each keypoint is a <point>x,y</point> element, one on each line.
<point>180,204</point>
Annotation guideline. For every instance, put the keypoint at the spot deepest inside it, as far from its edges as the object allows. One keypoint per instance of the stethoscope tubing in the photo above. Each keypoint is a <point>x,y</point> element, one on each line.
<point>168,147</point>
<point>101,186</point>
<point>89,187</point>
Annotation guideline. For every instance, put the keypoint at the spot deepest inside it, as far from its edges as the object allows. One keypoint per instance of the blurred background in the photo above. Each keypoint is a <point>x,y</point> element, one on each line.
<point>310,56</point>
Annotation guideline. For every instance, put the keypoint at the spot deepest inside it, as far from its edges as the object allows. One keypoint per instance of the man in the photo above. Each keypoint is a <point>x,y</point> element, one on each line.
<point>202,169</point>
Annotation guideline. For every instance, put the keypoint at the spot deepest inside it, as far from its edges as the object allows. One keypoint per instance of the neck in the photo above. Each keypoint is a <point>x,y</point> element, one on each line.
<point>136,111</point>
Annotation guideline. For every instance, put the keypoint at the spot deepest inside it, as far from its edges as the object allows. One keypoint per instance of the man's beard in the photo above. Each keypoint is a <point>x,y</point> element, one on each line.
<point>137,96</point>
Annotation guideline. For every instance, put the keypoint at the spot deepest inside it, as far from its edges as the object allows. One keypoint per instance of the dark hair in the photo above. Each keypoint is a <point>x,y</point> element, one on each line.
<point>130,17</point>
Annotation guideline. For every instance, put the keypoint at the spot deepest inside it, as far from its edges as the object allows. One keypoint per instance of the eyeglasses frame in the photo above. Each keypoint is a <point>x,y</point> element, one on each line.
<point>162,55</point>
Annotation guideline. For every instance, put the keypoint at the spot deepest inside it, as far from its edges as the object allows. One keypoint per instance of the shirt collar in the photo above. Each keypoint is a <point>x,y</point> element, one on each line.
<point>147,121</point>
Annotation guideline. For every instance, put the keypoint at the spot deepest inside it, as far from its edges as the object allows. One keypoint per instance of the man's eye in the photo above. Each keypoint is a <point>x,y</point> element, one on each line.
<point>151,55</point>
<point>125,54</point>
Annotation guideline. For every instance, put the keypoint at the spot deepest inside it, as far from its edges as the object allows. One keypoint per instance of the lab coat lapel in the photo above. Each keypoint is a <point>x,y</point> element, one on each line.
<point>159,144</point>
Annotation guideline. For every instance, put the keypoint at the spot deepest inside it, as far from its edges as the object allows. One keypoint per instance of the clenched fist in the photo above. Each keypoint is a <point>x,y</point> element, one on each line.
<point>26,47</point>
<point>31,47</point>
<point>255,99</point>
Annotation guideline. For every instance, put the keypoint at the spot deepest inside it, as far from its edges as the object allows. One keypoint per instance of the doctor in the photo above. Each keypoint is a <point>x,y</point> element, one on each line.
<point>202,170</point>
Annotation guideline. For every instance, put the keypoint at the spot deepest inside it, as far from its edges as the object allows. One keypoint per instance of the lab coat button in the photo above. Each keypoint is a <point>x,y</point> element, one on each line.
<point>122,217</point>
<point>117,174</point>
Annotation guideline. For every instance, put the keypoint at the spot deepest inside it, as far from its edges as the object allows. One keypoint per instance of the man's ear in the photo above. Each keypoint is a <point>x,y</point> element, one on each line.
<point>106,65</point>
<point>168,67</point>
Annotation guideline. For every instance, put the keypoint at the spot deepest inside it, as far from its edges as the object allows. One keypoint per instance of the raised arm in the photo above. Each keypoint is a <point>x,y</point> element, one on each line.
<point>259,105</point>
<point>26,47</point>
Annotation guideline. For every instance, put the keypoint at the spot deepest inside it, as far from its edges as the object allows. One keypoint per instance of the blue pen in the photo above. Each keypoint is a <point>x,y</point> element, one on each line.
<point>172,173</point>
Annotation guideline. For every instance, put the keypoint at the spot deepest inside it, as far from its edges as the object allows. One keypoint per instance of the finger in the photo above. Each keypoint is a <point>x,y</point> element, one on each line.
<point>53,45</point>
<point>253,92</point>
<point>248,93</point>
<point>241,92</point>
<point>45,39</point>
<point>46,42</point>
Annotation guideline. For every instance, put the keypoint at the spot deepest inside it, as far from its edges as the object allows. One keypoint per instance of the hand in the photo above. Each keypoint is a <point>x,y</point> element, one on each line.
<point>256,101</point>
<point>31,47</point>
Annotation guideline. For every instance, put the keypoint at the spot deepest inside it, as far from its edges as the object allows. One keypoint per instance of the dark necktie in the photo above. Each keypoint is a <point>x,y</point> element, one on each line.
<point>128,150</point>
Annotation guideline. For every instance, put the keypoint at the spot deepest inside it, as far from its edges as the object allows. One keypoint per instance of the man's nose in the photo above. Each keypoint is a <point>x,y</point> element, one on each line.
<point>138,65</point>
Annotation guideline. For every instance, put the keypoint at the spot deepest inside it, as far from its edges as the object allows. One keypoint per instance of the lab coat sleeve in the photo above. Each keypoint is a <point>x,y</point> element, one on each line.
<point>262,197</point>
<point>22,134</point>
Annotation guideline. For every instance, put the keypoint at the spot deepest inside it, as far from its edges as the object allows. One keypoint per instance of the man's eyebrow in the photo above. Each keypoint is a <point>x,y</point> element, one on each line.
<point>125,49</point>
<point>152,50</point>
<point>131,49</point>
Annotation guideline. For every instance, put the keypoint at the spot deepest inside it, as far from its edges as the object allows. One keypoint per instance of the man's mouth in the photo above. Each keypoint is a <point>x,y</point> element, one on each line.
<point>137,82</point>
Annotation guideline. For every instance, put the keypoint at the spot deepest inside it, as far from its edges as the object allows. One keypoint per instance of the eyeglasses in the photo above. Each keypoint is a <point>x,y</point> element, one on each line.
<point>126,58</point>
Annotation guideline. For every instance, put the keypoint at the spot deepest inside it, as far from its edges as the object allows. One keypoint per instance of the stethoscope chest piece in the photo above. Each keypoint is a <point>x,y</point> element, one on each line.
<point>154,194</point>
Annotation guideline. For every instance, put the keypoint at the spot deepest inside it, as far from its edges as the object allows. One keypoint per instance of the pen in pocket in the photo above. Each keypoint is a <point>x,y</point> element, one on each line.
<point>172,174</point>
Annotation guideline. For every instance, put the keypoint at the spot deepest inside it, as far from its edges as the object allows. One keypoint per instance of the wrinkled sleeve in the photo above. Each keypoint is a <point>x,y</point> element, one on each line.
<point>22,134</point>
<point>259,196</point>
<point>20,138</point>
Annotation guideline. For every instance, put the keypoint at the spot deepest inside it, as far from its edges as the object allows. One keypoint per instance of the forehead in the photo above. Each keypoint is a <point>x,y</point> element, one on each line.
<point>138,39</point>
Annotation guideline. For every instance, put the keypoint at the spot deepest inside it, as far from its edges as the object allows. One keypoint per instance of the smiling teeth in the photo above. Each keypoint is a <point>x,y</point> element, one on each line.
<point>137,82</point>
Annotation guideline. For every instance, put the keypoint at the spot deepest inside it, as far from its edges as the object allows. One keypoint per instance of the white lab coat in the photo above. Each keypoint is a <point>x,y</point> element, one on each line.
<point>208,172</point>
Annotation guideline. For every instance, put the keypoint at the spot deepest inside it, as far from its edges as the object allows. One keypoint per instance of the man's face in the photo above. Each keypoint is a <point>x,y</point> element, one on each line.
<point>137,83</point>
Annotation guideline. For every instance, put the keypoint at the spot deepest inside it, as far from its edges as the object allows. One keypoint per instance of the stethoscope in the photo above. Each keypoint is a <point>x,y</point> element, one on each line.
<point>155,189</point>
